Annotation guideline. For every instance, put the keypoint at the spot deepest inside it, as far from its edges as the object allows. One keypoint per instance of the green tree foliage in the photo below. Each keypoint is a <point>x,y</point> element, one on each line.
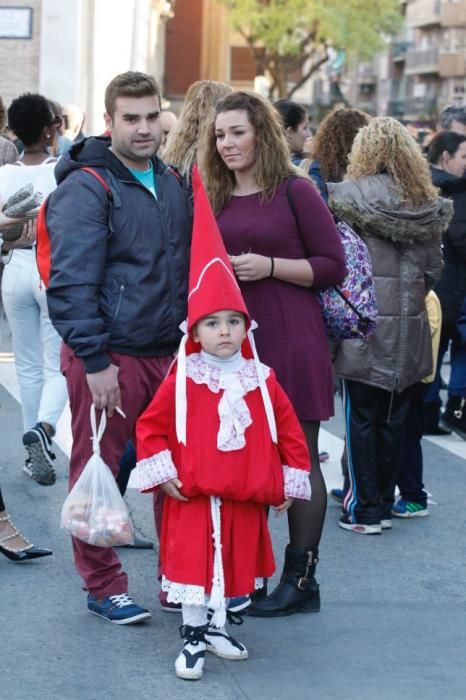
<point>286,36</point>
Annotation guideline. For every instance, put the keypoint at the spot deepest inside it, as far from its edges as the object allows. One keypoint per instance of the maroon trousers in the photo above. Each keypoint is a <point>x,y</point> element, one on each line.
<point>139,378</point>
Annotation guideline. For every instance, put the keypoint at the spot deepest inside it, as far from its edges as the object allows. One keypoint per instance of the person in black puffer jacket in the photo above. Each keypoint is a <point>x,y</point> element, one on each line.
<point>447,155</point>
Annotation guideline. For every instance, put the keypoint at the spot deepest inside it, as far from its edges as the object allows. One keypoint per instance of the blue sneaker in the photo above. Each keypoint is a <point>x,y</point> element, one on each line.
<point>409,509</point>
<point>239,604</point>
<point>119,609</point>
<point>337,495</point>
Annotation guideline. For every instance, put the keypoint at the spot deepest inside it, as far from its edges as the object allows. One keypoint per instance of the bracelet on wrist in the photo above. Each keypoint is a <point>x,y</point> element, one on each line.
<point>272,266</point>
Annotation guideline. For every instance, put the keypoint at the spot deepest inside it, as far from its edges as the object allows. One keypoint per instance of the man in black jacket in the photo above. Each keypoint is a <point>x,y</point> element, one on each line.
<point>119,225</point>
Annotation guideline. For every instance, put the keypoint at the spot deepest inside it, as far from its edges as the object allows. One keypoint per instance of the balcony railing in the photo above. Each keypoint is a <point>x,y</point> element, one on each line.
<point>396,108</point>
<point>422,61</point>
<point>421,106</point>
<point>367,74</point>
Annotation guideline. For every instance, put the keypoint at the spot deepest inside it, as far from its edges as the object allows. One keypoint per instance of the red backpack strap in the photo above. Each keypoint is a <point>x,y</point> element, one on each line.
<point>43,249</point>
<point>99,177</point>
<point>43,253</point>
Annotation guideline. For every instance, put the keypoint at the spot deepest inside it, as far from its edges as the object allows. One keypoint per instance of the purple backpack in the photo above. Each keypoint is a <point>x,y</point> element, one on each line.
<point>349,310</point>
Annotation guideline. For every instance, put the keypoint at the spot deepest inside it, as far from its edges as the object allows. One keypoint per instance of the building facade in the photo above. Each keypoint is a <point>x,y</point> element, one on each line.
<point>74,48</point>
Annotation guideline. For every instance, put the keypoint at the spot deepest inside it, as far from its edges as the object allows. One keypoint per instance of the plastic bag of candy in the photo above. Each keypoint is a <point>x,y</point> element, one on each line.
<point>94,510</point>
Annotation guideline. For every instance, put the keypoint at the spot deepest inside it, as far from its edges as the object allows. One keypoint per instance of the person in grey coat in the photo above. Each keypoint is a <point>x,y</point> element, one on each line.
<point>389,199</point>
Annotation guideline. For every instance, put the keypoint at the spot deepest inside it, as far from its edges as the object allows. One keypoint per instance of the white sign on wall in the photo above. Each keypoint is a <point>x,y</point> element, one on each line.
<point>15,22</point>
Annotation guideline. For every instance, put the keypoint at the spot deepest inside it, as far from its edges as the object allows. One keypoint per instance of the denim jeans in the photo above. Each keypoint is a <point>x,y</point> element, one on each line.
<point>457,383</point>
<point>36,343</point>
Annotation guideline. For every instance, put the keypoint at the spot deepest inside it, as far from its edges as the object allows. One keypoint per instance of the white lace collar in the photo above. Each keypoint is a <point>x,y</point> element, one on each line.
<point>203,368</point>
<point>236,379</point>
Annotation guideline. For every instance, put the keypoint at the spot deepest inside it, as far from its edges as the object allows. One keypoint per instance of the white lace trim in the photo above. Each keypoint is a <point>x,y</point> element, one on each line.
<point>297,483</point>
<point>153,471</point>
<point>232,408</point>
<point>202,372</point>
<point>188,594</point>
<point>183,593</point>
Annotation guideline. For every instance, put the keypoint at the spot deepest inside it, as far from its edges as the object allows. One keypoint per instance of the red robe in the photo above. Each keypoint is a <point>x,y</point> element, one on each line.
<point>245,479</point>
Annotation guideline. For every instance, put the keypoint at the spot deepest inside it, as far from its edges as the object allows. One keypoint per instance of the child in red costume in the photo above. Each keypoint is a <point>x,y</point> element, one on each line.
<point>222,440</point>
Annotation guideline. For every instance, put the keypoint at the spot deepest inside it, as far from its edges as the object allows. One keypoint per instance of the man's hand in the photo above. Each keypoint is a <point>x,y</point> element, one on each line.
<point>172,488</point>
<point>283,507</point>
<point>105,389</point>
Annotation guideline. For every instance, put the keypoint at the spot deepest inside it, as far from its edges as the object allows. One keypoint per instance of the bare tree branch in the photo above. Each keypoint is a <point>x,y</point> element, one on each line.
<point>307,75</point>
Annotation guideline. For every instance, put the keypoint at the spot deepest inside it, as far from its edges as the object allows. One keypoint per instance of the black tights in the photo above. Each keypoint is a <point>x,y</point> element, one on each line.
<point>306,518</point>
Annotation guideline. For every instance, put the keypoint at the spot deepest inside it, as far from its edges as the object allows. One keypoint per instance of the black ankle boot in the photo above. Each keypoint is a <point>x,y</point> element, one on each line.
<point>454,416</point>
<point>298,591</point>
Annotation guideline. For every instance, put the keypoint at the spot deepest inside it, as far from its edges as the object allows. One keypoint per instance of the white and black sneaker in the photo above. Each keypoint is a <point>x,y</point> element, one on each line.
<point>220,643</point>
<point>347,523</point>
<point>189,664</point>
<point>39,448</point>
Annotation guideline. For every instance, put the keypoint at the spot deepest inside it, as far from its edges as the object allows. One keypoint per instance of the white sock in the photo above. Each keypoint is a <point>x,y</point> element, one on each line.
<point>194,615</point>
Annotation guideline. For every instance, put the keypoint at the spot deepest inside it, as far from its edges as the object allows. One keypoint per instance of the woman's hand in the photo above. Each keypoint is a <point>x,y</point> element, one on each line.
<point>283,507</point>
<point>250,267</point>
<point>172,488</point>
<point>28,234</point>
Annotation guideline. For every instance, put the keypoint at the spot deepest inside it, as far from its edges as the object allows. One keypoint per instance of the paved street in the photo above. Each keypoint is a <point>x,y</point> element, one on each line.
<point>392,624</point>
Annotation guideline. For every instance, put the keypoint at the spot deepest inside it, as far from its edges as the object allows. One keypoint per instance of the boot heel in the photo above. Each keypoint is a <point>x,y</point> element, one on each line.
<point>310,606</point>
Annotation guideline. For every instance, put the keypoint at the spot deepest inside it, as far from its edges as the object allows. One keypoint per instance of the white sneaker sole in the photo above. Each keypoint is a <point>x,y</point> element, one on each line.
<point>40,468</point>
<point>361,529</point>
<point>143,617</point>
<point>386,524</point>
<point>229,657</point>
<point>189,675</point>
<point>416,514</point>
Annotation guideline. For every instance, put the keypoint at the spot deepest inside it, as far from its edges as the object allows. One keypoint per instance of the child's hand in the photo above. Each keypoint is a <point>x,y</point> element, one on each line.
<point>172,488</point>
<point>283,507</point>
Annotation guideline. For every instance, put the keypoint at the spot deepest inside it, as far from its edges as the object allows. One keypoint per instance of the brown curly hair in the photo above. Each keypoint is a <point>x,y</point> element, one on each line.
<point>196,114</point>
<point>272,162</point>
<point>386,146</point>
<point>334,139</point>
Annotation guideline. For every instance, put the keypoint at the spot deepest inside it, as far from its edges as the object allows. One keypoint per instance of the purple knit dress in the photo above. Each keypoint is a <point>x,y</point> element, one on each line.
<point>291,337</point>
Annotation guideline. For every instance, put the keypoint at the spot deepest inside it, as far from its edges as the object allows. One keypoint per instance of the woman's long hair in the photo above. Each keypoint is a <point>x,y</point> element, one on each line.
<point>386,146</point>
<point>334,140</point>
<point>272,154</point>
<point>196,113</point>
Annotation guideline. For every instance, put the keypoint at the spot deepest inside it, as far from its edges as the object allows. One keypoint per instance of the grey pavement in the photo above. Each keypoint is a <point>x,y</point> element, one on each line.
<point>392,623</point>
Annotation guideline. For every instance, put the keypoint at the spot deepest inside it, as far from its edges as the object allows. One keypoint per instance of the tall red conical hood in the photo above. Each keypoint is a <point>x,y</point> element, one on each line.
<point>212,283</point>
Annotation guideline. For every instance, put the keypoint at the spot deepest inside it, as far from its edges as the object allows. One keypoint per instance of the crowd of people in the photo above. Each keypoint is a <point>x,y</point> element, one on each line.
<point>186,257</point>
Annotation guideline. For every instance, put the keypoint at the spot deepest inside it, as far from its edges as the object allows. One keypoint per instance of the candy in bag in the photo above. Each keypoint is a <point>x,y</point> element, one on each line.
<point>94,510</point>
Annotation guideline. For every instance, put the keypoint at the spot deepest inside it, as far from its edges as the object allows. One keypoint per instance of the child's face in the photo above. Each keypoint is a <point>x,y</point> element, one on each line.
<point>221,333</point>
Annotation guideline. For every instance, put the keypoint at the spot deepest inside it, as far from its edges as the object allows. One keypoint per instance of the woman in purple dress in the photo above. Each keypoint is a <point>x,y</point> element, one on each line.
<point>280,258</point>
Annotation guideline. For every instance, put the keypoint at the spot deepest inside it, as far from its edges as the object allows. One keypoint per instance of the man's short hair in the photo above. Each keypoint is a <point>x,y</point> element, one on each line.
<point>130,84</point>
<point>451,114</point>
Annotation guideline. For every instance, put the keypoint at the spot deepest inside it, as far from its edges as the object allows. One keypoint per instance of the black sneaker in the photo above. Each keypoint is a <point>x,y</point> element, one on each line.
<point>39,448</point>
<point>347,523</point>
